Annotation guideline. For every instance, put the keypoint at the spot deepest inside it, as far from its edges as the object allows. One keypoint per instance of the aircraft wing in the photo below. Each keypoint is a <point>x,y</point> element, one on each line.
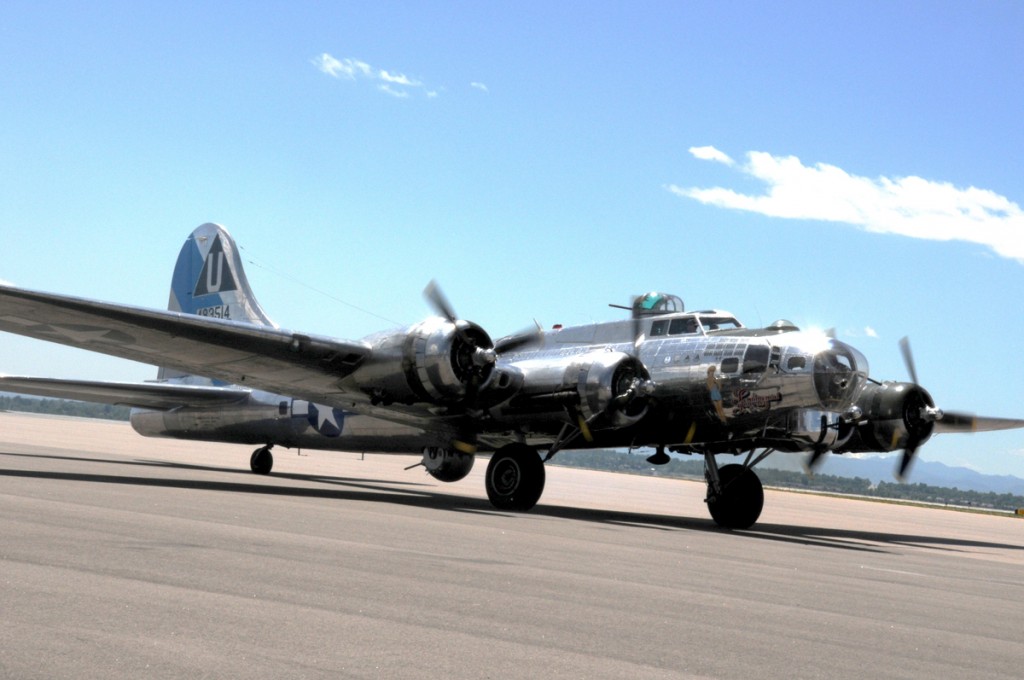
<point>243,354</point>
<point>158,396</point>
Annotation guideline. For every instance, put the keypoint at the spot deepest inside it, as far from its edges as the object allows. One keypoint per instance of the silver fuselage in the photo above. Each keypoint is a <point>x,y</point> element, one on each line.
<point>777,387</point>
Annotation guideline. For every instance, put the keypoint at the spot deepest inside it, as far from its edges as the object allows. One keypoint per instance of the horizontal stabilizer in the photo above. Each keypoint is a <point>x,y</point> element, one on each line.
<point>159,396</point>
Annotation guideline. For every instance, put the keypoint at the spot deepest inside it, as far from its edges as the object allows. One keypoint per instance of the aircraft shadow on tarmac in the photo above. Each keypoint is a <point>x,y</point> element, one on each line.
<point>420,495</point>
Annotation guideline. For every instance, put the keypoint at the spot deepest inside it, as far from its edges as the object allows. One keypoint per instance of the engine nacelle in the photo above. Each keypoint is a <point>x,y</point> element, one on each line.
<point>811,429</point>
<point>894,414</point>
<point>613,384</point>
<point>435,361</point>
<point>447,465</point>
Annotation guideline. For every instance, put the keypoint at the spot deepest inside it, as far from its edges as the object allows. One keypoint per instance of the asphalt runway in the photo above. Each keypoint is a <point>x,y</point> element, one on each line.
<point>126,557</point>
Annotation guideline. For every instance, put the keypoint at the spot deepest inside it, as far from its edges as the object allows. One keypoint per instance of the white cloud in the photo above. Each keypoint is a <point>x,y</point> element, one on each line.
<point>710,153</point>
<point>398,79</point>
<point>401,94</point>
<point>908,206</point>
<point>870,332</point>
<point>479,86</point>
<point>342,68</point>
<point>395,84</point>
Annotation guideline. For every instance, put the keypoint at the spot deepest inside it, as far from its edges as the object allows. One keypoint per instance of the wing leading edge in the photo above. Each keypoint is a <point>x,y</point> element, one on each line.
<point>263,357</point>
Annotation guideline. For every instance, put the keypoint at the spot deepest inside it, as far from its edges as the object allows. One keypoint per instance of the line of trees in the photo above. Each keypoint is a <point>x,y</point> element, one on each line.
<point>64,407</point>
<point>616,461</point>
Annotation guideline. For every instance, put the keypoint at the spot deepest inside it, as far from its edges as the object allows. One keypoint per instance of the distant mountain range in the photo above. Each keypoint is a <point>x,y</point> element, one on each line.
<point>880,469</point>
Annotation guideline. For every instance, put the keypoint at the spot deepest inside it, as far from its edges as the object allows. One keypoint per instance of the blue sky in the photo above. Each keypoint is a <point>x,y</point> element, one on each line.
<point>541,160</point>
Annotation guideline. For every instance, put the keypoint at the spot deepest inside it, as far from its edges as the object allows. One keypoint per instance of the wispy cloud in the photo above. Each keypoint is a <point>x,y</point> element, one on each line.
<point>479,86</point>
<point>398,79</point>
<point>908,206</point>
<point>342,68</point>
<point>865,332</point>
<point>393,91</point>
<point>395,84</point>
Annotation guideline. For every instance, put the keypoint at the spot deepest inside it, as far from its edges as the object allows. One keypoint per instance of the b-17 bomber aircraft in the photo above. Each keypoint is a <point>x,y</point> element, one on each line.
<point>689,382</point>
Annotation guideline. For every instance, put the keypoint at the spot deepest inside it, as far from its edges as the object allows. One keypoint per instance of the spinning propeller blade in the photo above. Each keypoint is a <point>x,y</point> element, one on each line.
<point>483,355</point>
<point>908,359</point>
<point>439,302</point>
<point>952,421</point>
<point>912,442</point>
<point>945,421</point>
<point>524,338</point>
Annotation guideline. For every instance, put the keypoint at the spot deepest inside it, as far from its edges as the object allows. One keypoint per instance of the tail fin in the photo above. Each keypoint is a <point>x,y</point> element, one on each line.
<point>209,280</point>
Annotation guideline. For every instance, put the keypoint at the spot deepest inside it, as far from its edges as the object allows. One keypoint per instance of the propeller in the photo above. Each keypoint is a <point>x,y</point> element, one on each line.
<point>914,439</point>
<point>966,422</point>
<point>640,385</point>
<point>524,338</point>
<point>944,421</point>
<point>908,358</point>
<point>482,356</point>
<point>819,451</point>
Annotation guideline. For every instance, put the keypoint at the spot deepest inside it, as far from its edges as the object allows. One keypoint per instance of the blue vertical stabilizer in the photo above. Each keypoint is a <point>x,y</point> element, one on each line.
<point>209,281</point>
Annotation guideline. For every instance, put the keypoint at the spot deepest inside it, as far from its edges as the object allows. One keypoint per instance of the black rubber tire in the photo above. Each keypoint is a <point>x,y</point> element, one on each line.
<point>262,461</point>
<point>742,498</point>
<point>515,478</point>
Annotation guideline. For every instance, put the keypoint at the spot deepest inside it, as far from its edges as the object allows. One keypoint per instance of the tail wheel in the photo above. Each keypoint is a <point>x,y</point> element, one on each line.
<point>515,478</point>
<point>741,500</point>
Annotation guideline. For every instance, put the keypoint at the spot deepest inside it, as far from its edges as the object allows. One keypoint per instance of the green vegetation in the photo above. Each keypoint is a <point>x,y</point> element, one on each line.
<point>616,461</point>
<point>64,407</point>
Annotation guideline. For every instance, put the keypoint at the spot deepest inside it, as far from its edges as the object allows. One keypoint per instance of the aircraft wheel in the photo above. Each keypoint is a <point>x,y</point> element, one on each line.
<point>742,498</point>
<point>515,478</point>
<point>262,461</point>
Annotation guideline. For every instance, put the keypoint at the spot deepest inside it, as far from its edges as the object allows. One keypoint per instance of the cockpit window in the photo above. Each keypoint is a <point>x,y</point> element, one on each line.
<point>798,363</point>
<point>756,359</point>
<point>719,323</point>
<point>730,365</point>
<point>681,326</point>
<point>659,328</point>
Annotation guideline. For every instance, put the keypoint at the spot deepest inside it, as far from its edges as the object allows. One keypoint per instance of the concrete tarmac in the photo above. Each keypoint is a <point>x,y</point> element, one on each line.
<point>126,557</point>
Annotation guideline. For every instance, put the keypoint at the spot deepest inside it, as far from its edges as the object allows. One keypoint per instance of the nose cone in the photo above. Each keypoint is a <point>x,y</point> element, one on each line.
<point>840,372</point>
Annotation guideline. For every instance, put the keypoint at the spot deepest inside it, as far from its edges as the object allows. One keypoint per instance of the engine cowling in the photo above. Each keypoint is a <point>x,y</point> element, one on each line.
<point>610,384</point>
<point>435,361</point>
<point>895,414</point>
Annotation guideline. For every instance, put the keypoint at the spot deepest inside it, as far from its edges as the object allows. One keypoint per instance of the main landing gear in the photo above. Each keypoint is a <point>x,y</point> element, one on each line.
<point>515,478</point>
<point>262,461</point>
<point>735,495</point>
